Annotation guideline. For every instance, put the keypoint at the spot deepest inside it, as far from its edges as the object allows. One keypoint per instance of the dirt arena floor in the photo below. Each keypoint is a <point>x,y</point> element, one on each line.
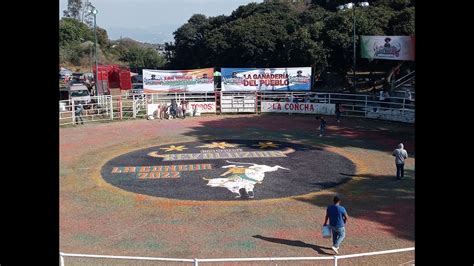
<point>99,217</point>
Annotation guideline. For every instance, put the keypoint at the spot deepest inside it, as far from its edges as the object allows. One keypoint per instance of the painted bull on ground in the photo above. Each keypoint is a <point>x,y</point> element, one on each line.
<point>242,178</point>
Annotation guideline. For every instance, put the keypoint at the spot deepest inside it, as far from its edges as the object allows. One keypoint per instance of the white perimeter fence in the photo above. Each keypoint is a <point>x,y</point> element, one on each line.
<point>197,261</point>
<point>132,106</point>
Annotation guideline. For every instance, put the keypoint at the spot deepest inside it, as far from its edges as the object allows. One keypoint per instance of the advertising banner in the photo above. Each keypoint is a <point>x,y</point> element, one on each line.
<point>388,47</point>
<point>193,80</point>
<point>266,79</point>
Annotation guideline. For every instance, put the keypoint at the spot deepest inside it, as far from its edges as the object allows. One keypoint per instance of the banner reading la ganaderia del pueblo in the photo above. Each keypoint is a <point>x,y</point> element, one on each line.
<point>266,79</point>
<point>388,47</point>
<point>193,80</point>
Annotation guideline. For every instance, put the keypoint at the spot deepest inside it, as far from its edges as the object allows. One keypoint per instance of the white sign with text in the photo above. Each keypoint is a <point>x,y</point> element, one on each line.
<point>300,108</point>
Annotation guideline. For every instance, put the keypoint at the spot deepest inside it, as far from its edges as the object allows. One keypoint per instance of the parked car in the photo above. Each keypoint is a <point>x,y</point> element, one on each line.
<point>79,93</point>
<point>137,79</point>
<point>64,72</point>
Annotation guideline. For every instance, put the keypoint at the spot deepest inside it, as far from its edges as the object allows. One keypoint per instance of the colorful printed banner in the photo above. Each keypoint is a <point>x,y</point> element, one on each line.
<point>300,108</point>
<point>388,47</point>
<point>193,80</point>
<point>266,79</point>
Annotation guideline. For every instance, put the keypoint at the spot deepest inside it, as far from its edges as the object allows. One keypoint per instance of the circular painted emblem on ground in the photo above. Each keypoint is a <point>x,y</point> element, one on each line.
<point>228,170</point>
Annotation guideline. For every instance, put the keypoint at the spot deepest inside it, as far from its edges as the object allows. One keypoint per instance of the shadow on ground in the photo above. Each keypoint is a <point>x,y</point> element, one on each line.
<point>376,198</point>
<point>351,132</point>
<point>381,199</point>
<point>295,243</point>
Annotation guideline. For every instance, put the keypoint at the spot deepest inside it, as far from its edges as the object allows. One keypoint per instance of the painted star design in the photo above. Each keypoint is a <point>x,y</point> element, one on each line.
<point>174,148</point>
<point>264,145</point>
<point>221,145</point>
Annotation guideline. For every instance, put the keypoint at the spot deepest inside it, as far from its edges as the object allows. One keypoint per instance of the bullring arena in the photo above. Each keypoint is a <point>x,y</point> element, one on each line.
<point>157,189</point>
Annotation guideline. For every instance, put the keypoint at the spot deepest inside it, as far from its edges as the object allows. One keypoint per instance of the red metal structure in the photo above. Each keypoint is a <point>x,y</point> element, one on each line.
<point>113,77</point>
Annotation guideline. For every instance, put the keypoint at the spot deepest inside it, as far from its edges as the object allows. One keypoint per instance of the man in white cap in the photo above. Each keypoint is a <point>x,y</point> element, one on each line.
<point>400,156</point>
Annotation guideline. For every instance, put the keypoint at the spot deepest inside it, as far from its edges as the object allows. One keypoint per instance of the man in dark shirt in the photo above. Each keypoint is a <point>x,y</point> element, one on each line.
<point>337,216</point>
<point>322,126</point>
<point>174,109</point>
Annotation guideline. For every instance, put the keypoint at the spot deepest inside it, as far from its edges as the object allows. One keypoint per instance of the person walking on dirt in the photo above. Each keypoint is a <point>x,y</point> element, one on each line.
<point>322,127</point>
<point>337,216</point>
<point>400,156</point>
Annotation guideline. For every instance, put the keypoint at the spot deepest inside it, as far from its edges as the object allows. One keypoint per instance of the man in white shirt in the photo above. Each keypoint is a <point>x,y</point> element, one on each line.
<point>400,156</point>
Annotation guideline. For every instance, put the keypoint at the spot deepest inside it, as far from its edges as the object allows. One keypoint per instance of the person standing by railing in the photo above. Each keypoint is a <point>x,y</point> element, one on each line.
<point>408,95</point>
<point>381,98</point>
<point>78,114</point>
<point>338,112</point>
<point>386,96</point>
<point>374,99</point>
<point>158,111</point>
<point>337,216</point>
<point>174,109</point>
<point>184,107</point>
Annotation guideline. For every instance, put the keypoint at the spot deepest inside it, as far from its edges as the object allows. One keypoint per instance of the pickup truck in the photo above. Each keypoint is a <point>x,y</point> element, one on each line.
<point>79,94</point>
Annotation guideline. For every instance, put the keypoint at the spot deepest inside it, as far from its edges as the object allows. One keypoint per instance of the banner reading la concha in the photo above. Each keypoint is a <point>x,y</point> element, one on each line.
<point>193,80</point>
<point>266,79</point>
<point>388,47</point>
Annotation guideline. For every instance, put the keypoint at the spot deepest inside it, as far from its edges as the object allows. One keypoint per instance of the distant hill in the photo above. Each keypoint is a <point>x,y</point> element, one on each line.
<point>160,48</point>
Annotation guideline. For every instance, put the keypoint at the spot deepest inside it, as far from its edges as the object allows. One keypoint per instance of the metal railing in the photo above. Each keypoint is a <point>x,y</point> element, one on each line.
<point>133,106</point>
<point>98,109</point>
<point>196,262</point>
<point>353,105</point>
<point>403,80</point>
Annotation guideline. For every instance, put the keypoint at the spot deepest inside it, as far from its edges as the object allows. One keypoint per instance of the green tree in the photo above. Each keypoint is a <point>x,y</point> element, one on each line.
<point>304,51</point>
<point>102,38</point>
<point>373,20</point>
<point>337,38</point>
<point>140,57</point>
<point>396,5</point>
<point>74,9</point>
<point>189,48</point>
<point>403,23</point>
<point>71,30</point>
<point>281,34</point>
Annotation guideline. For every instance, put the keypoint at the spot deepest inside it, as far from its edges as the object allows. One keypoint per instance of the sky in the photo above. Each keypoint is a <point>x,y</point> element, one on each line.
<point>153,21</point>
